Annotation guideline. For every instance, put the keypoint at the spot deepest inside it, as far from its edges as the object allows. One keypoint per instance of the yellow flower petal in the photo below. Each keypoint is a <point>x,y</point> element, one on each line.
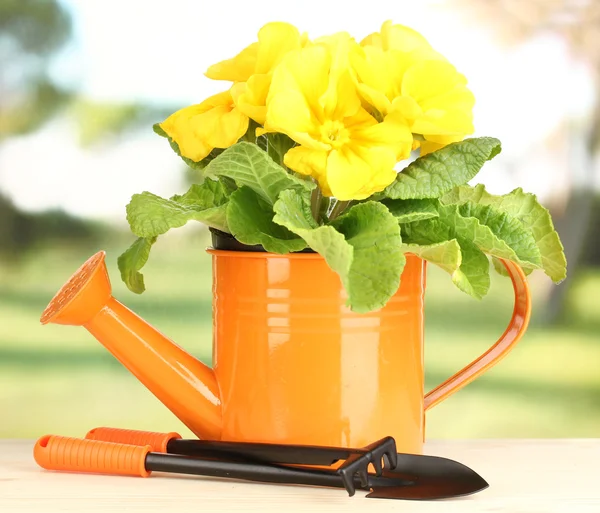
<point>373,39</point>
<point>236,91</point>
<point>342,48</point>
<point>430,78</point>
<point>457,98</point>
<point>407,108</point>
<point>360,121</point>
<point>396,37</point>
<point>305,71</point>
<point>444,122</point>
<point>309,162</point>
<point>358,176</point>
<point>403,38</point>
<point>275,40</point>
<point>178,126</point>
<point>236,69</point>
<point>198,129</point>
<point>251,96</point>
<point>375,98</point>
<point>391,133</point>
<point>218,99</point>
<point>444,139</point>
<point>346,175</point>
<point>231,126</point>
<point>429,147</point>
<point>289,113</point>
<point>372,67</point>
<point>380,73</point>
<point>204,125</point>
<point>341,99</point>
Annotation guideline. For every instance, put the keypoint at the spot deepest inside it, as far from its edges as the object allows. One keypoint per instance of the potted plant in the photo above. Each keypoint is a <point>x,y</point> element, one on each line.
<point>332,171</point>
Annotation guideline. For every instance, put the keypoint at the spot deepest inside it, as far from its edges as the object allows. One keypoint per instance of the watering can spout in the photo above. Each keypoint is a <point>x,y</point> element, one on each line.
<point>184,384</point>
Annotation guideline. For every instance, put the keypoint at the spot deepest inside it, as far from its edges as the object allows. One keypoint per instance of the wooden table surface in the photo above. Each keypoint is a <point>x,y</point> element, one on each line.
<point>525,476</point>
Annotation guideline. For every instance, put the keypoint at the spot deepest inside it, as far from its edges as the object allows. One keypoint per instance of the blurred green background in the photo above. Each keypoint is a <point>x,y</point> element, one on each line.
<point>82,84</point>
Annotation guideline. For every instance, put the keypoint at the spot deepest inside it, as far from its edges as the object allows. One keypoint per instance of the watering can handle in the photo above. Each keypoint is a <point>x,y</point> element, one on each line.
<point>513,333</point>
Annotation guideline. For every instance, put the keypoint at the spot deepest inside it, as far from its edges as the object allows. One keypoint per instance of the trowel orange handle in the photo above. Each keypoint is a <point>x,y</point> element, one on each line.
<point>157,441</point>
<point>76,455</point>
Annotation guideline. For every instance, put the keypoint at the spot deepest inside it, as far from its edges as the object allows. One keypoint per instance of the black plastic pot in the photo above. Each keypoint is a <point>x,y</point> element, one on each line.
<point>227,242</point>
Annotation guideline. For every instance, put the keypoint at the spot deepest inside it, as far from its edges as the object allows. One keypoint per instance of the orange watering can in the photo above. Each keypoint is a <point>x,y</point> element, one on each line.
<point>291,363</point>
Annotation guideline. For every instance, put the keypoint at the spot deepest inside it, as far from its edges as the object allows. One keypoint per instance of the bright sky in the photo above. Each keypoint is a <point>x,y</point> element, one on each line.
<point>158,51</point>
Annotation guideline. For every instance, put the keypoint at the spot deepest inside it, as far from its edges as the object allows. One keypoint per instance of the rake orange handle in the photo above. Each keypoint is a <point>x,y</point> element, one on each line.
<point>158,441</point>
<point>76,455</point>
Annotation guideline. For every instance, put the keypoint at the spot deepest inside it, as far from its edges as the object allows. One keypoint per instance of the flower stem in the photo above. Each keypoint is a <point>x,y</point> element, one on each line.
<point>338,208</point>
<point>315,203</point>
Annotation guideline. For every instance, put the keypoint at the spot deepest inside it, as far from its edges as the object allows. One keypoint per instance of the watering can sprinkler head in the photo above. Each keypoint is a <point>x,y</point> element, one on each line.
<point>83,296</point>
<point>181,382</point>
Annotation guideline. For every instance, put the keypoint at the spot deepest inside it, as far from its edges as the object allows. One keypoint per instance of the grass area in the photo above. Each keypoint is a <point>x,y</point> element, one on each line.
<point>58,379</point>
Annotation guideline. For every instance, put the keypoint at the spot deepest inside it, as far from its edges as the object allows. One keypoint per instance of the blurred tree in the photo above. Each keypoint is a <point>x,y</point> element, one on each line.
<point>32,33</point>
<point>578,23</point>
<point>23,231</point>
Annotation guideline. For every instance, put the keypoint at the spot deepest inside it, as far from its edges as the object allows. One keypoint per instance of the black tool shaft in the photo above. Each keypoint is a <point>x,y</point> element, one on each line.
<point>179,464</point>
<point>273,453</point>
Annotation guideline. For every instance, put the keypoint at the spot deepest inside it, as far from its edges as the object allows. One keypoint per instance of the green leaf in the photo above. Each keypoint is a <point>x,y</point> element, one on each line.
<point>520,242</point>
<point>208,194</point>
<point>533,216</point>
<point>472,276</point>
<point>293,211</point>
<point>378,261</point>
<point>445,254</point>
<point>132,260</point>
<point>362,247</point>
<point>438,172</point>
<point>150,215</point>
<point>250,219</point>
<point>464,193</point>
<point>492,234</point>
<point>408,211</point>
<point>478,229</point>
<point>246,164</point>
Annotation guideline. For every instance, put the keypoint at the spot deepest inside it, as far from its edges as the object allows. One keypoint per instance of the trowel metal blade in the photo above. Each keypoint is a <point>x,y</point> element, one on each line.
<point>426,477</point>
<point>429,489</point>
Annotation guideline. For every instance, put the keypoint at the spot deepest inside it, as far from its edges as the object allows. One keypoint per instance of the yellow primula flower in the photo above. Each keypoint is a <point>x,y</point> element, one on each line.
<point>198,129</point>
<point>402,77</point>
<point>314,101</point>
<point>252,68</point>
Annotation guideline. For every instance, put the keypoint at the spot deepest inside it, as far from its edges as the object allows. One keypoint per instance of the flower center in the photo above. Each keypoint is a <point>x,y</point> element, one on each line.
<point>335,133</point>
